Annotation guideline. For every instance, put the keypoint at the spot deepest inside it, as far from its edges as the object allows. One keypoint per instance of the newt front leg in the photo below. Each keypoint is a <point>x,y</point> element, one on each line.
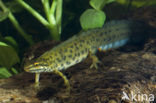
<point>66,81</point>
<point>37,83</point>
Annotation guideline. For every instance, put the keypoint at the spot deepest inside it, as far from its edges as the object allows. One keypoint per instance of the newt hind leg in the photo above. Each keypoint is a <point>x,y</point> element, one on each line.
<point>95,60</point>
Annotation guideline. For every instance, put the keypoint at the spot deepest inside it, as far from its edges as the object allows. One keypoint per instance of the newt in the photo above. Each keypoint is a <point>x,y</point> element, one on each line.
<point>112,35</point>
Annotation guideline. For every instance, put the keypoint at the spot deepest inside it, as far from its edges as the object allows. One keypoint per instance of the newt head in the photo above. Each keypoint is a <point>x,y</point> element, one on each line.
<point>36,67</point>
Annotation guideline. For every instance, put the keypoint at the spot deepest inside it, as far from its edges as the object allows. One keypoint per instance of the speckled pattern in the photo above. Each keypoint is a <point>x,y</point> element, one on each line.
<point>113,34</point>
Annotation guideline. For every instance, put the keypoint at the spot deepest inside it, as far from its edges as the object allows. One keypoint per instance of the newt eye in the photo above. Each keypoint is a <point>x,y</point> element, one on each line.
<point>36,64</point>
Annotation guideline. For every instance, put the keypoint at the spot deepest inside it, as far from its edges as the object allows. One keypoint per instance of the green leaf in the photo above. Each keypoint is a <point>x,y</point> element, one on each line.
<point>4,73</point>
<point>11,41</point>
<point>8,56</point>
<point>3,15</point>
<point>92,18</point>
<point>99,4</point>
<point>14,71</point>
<point>3,44</point>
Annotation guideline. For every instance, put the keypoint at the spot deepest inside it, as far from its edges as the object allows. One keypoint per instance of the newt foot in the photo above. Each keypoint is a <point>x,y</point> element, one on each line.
<point>95,61</point>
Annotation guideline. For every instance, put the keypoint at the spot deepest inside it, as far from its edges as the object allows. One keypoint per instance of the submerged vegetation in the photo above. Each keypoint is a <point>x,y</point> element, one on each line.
<point>39,20</point>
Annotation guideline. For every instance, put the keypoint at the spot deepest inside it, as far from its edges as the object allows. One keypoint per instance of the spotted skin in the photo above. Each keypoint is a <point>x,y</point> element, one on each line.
<point>114,34</point>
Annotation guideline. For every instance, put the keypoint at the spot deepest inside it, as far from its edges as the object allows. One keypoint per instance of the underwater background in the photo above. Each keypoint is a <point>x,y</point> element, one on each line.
<point>30,28</point>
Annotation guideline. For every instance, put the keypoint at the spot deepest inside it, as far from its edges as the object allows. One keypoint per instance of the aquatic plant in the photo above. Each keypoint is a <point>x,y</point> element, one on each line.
<point>7,13</point>
<point>53,14</point>
<point>9,56</point>
<point>93,16</point>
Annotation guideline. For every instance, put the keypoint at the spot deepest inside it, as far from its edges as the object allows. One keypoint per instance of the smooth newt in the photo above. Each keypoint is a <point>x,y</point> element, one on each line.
<point>74,50</point>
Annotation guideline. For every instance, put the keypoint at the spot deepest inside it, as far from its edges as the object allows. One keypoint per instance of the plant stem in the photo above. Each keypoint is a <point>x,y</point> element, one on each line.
<point>54,33</point>
<point>53,7</point>
<point>53,27</point>
<point>33,12</point>
<point>59,14</point>
<point>51,13</point>
<point>46,7</point>
<point>27,37</point>
<point>13,20</point>
<point>54,21</point>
